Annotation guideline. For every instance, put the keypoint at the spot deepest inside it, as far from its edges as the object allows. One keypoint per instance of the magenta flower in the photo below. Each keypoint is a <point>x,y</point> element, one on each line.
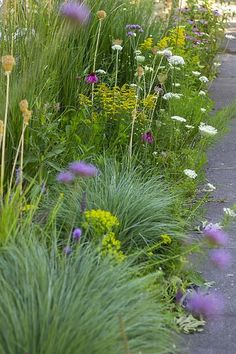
<point>205,304</point>
<point>75,11</point>
<point>148,138</point>
<point>83,169</point>
<point>77,234</point>
<point>215,235</point>
<point>65,177</point>
<point>92,78</point>
<point>221,258</point>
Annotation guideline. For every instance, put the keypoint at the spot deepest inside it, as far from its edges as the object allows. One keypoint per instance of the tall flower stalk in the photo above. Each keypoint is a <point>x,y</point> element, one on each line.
<point>8,62</point>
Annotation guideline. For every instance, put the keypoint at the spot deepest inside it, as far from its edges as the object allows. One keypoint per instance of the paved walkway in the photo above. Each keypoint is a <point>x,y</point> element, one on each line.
<point>219,336</point>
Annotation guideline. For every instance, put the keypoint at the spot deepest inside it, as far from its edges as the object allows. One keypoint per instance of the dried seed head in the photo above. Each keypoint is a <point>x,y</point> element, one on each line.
<point>140,71</point>
<point>117,42</point>
<point>1,127</point>
<point>154,50</point>
<point>8,61</point>
<point>27,115</point>
<point>24,105</point>
<point>101,15</point>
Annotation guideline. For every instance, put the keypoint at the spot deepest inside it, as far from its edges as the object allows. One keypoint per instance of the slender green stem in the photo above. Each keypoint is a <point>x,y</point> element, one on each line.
<point>16,157</point>
<point>117,66</point>
<point>22,157</point>
<point>134,116</point>
<point>4,136</point>
<point>96,53</point>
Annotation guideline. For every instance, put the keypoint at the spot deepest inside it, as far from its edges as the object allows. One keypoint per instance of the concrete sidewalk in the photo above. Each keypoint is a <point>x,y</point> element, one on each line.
<point>219,336</point>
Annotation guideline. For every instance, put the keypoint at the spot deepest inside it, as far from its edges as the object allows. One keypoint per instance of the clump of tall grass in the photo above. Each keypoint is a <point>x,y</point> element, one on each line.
<point>52,303</point>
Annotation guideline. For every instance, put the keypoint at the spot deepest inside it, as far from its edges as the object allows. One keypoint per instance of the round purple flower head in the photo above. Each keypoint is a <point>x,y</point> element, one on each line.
<point>205,304</point>
<point>92,78</point>
<point>75,11</point>
<point>147,137</point>
<point>83,169</point>
<point>67,250</point>
<point>215,235</point>
<point>221,258</point>
<point>65,177</point>
<point>77,234</point>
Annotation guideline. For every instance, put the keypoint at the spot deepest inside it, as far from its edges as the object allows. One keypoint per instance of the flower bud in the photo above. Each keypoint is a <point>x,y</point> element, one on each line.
<point>24,105</point>
<point>8,61</point>
<point>101,15</point>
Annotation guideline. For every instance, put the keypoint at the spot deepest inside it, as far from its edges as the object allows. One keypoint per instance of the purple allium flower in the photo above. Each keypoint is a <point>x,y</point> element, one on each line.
<point>205,304</point>
<point>147,138</point>
<point>67,250</point>
<point>65,177</point>
<point>77,234</point>
<point>221,258</point>
<point>92,78</point>
<point>75,11</point>
<point>215,235</point>
<point>83,169</point>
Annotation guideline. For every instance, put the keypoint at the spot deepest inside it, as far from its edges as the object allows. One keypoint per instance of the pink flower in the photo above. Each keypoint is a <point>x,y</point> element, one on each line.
<point>75,12</point>
<point>221,258</point>
<point>92,78</point>
<point>215,235</point>
<point>205,304</point>
<point>148,137</point>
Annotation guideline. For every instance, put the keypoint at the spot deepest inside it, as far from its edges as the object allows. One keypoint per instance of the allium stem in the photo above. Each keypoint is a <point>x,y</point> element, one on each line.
<point>22,156</point>
<point>117,66</point>
<point>96,53</point>
<point>134,116</point>
<point>4,136</point>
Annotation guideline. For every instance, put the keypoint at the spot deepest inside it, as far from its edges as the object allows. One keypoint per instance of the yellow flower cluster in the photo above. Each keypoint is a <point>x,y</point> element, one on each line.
<point>149,101</point>
<point>111,247</point>
<point>102,221</point>
<point>166,239</point>
<point>176,38</point>
<point>85,101</point>
<point>147,44</point>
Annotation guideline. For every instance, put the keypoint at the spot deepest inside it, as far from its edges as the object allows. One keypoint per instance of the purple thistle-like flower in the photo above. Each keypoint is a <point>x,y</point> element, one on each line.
<point>92,78</point>
<point>77,234</point>
<point>67,250</point>
<point>221,258</point>
<point>65,177</point>
<point>148,137</point>
<point>205,304</point>
<point>215,235</point>
<point>75,11</point>
<point>131,34</point>
<point>83,169</point>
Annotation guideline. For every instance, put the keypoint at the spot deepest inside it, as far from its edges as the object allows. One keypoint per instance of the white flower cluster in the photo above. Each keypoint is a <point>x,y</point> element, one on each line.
<point>169,95</point>
<point>230,36</point>
<point>207,129</point>
<point>176,60</point>
<point>117,47</point>
<point>203,79</point>
<point>178,119</point>
<point>202,93</point>
<point>101,71</point>
<point>165,52</point>
<point>229,212</point>
<point>196,73</point>
<point>190,173</point>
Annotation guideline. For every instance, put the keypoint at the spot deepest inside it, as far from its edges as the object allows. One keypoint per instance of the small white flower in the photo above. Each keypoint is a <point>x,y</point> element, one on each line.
<point>165,52</point>
<point>133,85</point>
<point>176,84</point>
<point>202,93</point>
<point>209,188</point>
<point>178,118</point>
<point>203,110</point>
<point>216,64</point>
<point>190,173</point>
<point>207,129</point>
<point>148,68</point>
<point>169,95</point>
<point>203,79</point>
<point>117,47</point>
<point>230,36</point>
<point>196,73</point>
<point>229,212</point>
<point>189,126</point>
<point>176,60</point>
<point>155,153</point>
<point>140,58</point>
<point>100,71</point>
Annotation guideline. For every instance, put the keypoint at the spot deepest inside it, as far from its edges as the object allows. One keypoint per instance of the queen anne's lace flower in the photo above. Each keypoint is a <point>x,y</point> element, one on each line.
<point>169,95</point>
<point>178,118</point>
<point>190,173</point>
<point>230,36</point>
<point>207,129</point>
<point>196,73</point>
<point>202,93</point>
<point>203,79</point>
<point>117,47</point>
<point>176,60</point>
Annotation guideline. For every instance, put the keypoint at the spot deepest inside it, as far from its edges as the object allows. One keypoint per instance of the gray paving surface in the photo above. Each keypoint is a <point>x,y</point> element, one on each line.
<point>219,336</point>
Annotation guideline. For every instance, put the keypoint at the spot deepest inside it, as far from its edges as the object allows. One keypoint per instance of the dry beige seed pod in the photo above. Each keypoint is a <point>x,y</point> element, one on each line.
<point>140,71</point>
<point>117,42</point>
<point>101,14</point>
<point>1,127</point>
<point>24,105</point>
<point>8,61</point>
<point>27,115</point>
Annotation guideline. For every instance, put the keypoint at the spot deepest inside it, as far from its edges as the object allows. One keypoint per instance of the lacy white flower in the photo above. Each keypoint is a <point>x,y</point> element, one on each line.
<point>202,93</point>
<point>203,79</point>
<point>229,212</point>
<point>207,129</point>
<point>165,52</point>
<point>189,126</point>
<point>196,73</point>
<point>216,64</point>
<point>100,71</point>
<point>230,36</point>
<point>176,60</point>
<point>148,68</point>
<point>176,84</point>
<point>203,110</point>
<point>117,47</point>
<point>178,118</point>
<point>140,58</point>
<point>209,188</point>
<point>190,173</point>
<point>169,95</point>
